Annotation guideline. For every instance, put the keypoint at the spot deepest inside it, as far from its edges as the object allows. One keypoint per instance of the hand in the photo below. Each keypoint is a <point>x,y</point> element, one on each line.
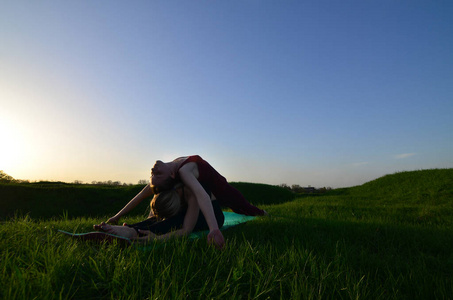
<point>112,221</point>
<point>216,237</point>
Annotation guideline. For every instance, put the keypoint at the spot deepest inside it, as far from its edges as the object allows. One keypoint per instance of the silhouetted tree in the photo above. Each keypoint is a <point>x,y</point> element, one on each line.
<point>285,186</point>
<point>297,188</point>
<point>5,177</point>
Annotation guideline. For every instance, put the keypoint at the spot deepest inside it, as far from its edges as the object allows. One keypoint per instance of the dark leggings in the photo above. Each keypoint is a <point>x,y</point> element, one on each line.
<point>232,198</point>
<point>176,222</point>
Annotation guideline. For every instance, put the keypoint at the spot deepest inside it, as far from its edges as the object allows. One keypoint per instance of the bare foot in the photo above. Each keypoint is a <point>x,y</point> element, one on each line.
<point>123,231</point>
<point>98,227</point>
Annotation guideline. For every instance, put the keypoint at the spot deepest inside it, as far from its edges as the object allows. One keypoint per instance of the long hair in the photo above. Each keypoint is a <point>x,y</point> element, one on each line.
<point>168,184</point>
<point>167,204</point>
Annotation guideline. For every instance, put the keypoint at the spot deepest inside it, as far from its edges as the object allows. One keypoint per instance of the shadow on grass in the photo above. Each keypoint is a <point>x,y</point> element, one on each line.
<point>406,253</point>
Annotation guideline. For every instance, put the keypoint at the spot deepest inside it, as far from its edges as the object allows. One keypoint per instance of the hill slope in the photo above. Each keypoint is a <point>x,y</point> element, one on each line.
<point>434,185</point>
<point>47,200</point>
<point>54,199</point>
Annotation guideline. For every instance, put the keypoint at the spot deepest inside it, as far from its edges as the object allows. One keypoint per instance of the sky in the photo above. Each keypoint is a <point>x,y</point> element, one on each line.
<point>315,93</point>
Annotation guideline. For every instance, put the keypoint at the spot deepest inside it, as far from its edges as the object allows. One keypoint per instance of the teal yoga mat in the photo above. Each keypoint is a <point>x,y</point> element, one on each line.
<point>231,219</point>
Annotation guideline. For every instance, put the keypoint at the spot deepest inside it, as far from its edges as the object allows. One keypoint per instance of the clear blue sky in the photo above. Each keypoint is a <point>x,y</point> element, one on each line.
<point>320,93</point>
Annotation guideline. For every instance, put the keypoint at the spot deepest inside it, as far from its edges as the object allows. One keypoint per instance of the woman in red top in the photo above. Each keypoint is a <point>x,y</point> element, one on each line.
<point>200,180</point>
<point>212,181</point>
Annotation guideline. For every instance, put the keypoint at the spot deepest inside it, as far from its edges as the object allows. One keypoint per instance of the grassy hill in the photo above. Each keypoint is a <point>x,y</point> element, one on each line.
<point>390,238</point>
<point>434,185</point>
<point>48,199</point>
<point>264,194</point>
<point>416,197</point>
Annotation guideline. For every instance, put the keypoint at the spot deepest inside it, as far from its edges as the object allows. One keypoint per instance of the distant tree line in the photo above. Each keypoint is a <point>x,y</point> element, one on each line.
<point>295,188</point>
<point>114,183</point>
<point>5,178</point>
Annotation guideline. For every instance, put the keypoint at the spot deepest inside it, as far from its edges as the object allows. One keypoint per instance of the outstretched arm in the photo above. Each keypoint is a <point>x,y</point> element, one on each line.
<point>187,173</point>
<point>144,193</point>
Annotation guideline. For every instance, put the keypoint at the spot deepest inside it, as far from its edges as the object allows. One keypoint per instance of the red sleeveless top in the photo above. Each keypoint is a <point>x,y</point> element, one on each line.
<point>208,177</point>
<point>226,194</point>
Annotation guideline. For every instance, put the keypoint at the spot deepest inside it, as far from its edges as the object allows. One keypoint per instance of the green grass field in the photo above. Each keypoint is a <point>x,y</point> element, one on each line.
<point>391,238</point>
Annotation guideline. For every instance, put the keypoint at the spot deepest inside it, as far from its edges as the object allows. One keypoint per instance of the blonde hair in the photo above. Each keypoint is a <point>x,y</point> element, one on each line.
<point>166,184</point>
<point>166,204</point>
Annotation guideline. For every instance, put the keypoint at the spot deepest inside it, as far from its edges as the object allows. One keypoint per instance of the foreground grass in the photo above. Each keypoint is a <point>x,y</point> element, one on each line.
<point>362,243</point>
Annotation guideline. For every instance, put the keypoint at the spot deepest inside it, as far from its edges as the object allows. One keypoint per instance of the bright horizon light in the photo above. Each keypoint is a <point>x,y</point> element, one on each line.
<point>13,145</point>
